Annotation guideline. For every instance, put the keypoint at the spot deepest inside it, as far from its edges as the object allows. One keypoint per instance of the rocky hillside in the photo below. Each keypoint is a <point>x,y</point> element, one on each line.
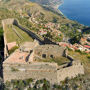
<point>39,18</point>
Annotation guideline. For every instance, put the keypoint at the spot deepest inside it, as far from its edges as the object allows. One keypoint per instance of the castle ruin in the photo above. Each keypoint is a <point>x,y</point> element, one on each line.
<point>19,65</point>
<point>24,62</point>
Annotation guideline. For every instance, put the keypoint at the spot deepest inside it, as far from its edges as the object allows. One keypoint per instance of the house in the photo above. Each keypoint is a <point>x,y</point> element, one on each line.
<point>83,41</point>
<point>42,32</point>
<point>87,46</point>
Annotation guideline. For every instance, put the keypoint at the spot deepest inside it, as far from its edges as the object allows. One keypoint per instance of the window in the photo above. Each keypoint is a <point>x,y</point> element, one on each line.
<point>51,56</point>
<point>43,55</point>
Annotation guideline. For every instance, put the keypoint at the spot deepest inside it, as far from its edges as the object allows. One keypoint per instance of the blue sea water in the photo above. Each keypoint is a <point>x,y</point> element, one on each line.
<point>78,10</point>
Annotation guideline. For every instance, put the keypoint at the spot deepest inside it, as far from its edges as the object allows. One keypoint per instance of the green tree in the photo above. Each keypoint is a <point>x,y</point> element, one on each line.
<point>76,38</point>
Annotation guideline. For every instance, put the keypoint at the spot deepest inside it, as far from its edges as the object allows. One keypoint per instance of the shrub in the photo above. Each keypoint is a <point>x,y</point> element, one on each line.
<point>88,57</point>
<point>13,49</point>
<point>55,19</point>
<point>55,86</point>
<point>28,81</point>
<point>14,69</point>
<point>83,53</point>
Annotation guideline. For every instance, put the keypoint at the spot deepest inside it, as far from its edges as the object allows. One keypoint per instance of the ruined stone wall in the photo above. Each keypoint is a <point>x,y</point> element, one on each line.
<point>35,71</point>
<point>70,72</point>
<point>48,51</point>
<point>4,23</point>
<point>50,71</point>
<point>12,21</point>
<point>16,23</point>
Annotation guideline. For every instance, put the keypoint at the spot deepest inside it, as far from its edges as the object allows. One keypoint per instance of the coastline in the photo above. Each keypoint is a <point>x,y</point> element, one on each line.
<point>57,7</point>
<point>80,22</point>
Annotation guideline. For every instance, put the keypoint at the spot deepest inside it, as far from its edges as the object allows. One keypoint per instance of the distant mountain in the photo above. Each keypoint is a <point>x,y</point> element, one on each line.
<point>52,3</point>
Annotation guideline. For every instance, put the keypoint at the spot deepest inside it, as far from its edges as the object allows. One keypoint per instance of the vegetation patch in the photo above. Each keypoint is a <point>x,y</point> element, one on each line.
<point>14,69</point>
<point>13,49</point>
<point>28,84</point>
<point>59,61</point>
<point>78,83</point>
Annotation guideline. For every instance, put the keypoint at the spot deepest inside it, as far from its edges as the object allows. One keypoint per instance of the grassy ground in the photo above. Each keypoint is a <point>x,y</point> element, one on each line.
<point>23,34</point>
<point>13,37</point>
<point>59,61</point>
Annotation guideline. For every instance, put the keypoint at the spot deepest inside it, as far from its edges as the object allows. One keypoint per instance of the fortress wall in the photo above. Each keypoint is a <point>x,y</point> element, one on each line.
<point>5,41</point>
<point>49,51</point>
<point>26,71</point>
<point>5,47</point>
<point>4,23</point>
<point>70,72</point>
<point>16,23</point>
<point>49,71</point>
<point>30,33</point>
<point>37,71</point>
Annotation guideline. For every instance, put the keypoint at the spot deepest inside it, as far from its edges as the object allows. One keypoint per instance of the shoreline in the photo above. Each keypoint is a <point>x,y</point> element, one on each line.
<point>57,7</point>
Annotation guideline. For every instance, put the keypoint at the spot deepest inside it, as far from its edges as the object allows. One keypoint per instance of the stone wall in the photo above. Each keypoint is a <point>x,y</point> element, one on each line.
<point>35,71</point>
<point>38,70</point>
<point>48,51</point>
<point>70,72</point>
<point>13,21</point>
<point>50,71</point>
<point>4,23</point>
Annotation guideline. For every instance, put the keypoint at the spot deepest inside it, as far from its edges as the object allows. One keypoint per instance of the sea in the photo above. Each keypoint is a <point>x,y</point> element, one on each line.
<point>77,10</point>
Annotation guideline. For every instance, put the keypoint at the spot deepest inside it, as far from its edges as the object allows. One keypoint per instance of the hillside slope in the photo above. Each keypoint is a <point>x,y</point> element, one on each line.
<point>52,3</point>
<point>36,17</point>
<point>47,24</point>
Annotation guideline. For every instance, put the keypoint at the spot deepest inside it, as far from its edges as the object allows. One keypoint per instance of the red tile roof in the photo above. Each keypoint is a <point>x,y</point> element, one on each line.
<point>86,46</point>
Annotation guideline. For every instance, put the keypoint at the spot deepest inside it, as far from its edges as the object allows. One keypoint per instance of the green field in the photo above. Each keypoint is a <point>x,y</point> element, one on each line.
<point>15,34</point>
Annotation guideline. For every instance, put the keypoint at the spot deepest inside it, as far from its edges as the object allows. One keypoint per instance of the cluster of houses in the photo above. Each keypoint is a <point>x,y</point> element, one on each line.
<point>42,32</point>
<point>84,45</point>
<point>50,27</point>
<point>83,48</point>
